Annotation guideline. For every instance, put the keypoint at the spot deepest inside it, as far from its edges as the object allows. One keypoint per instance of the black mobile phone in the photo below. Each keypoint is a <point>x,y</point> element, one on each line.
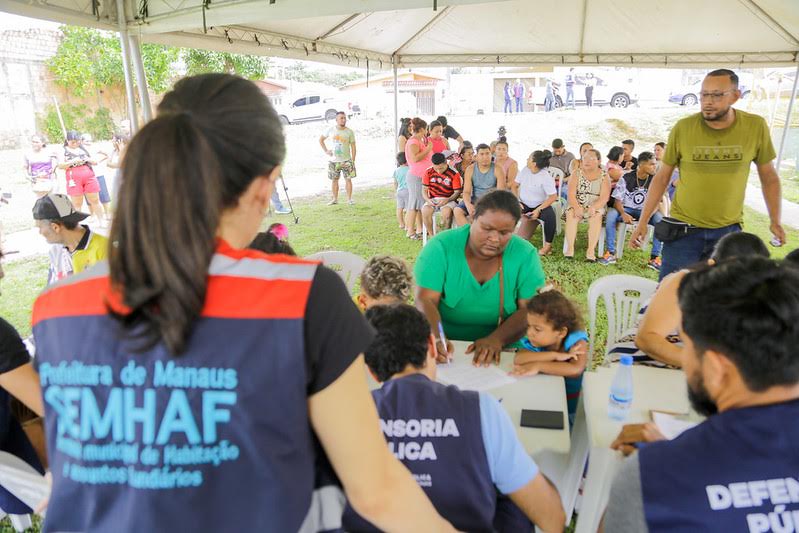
<point>542,419</point>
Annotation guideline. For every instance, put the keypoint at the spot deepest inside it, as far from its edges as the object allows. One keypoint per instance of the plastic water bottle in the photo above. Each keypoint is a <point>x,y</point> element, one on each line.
<point>621,390</point>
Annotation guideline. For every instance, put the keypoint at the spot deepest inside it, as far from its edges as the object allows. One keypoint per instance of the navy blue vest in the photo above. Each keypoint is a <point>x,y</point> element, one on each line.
<point>730,473</point>
<point>435,431</point>
<point>151,442</point>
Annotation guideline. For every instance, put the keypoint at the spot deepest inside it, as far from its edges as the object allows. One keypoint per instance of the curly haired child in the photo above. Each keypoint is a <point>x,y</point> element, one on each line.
<point>556,343</point>
<point>385,280</point>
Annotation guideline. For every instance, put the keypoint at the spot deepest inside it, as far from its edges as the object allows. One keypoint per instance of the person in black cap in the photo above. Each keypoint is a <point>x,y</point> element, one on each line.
<point>75,246</point>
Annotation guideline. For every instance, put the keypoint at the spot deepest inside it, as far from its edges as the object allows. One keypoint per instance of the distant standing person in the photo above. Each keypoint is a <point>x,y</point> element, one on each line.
<point>549,99</point>
<point>590,83</point>
<point>714,150</point>
<point>80,176</point>
<point>508,92</point>
<point>570,88</point>
<point>40,164</point>
<point>418,153</point>
<point>342,156</point>
<point>100,170</point>
<point>401,188</point>
<point>518,95</point>
<point>119,142</point>
<point>450,132</point>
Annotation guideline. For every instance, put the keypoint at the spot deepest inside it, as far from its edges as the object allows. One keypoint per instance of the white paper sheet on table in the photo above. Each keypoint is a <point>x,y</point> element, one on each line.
<point>469,377</point>
<point>671,425</point>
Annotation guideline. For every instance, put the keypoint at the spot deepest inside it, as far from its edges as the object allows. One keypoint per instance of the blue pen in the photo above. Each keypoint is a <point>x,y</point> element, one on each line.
<point>443,339</point>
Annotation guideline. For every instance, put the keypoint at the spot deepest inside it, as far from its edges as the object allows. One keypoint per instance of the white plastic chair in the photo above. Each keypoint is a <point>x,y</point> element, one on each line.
<point>435,227</point>
<point>623,295</point>
<point>558,175</point>
<point>346,265</point>
<point>25,483</point>
<point>621,236</point>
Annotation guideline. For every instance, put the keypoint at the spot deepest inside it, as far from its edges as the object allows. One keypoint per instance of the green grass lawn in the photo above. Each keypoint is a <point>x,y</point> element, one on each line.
<point>367,228</point>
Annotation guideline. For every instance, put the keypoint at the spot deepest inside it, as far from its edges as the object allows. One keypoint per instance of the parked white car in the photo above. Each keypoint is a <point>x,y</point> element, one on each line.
<point>315,107</point>
<point>608,90</point>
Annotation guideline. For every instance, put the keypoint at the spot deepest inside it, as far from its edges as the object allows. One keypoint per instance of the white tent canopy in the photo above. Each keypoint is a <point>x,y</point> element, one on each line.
<point>677,33</point>
<point>377,34</point>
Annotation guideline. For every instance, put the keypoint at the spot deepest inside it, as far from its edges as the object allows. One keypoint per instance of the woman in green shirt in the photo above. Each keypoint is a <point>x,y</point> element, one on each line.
<point>464,276</point>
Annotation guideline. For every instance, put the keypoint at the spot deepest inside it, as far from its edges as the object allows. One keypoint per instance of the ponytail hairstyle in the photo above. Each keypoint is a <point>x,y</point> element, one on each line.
<point>405,127</point>
<point>213,136</point>
<point>541,158</point>
<point>417,124</point>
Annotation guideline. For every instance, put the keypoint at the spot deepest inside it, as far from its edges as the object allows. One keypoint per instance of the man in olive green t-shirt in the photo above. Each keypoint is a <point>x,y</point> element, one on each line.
<point>714,150</point>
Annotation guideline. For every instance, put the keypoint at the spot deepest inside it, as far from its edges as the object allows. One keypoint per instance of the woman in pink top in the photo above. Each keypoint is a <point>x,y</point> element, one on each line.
<point>440,143</point>
<point>508,164</point>
<point>418,152</point>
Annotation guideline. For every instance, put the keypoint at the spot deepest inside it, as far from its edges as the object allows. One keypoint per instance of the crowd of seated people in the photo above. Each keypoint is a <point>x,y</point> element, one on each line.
<point>225,361</point>
<point>600,194</point>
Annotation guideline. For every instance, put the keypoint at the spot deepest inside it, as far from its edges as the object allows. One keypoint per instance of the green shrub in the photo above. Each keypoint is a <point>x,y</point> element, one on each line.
<point>98,124</point>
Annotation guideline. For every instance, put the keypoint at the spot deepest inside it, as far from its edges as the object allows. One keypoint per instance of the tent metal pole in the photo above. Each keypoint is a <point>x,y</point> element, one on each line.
<point>126,68</point>
<point>141,78</point>
<point>787,119</point>
<point>396,103</point>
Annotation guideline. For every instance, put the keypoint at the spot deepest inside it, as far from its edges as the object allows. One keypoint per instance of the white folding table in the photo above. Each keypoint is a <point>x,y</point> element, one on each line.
<point>544,393</point>
<point>653,389</point>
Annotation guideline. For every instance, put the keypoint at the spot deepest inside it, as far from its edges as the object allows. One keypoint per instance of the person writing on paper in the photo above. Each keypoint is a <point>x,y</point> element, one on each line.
<point>476,280</point>
<point>221,365</point>
<point>556,343</point>
<point>470,451</point>
<point>737,470</point>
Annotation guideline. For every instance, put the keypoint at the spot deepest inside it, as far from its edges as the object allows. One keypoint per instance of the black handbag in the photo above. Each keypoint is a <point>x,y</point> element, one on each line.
<point>671,229</point>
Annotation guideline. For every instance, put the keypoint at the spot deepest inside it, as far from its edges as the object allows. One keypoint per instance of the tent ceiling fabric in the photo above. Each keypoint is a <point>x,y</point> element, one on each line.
<point>677,33</point>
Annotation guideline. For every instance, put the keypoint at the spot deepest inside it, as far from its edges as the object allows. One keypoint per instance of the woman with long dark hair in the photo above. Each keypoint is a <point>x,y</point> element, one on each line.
<point>196,375</point>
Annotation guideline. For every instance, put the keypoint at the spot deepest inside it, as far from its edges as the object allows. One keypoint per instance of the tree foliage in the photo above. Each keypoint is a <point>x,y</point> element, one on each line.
<point>299,71</point>
<point>88,59</point>
<point>76,117</point>
<point>204,61</point>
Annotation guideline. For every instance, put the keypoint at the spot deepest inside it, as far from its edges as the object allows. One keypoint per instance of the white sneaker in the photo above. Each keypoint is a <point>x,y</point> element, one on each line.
<point>351,202</point>
<point>332,202</point>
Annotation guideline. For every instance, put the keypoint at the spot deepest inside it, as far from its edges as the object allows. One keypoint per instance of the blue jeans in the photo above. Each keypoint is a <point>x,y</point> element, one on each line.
<point>692,248</point>
<point>570,95</point>
<point>276,203</point>
<point>614,217</point>
<point>519,104</point>
<point>508,106</point>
